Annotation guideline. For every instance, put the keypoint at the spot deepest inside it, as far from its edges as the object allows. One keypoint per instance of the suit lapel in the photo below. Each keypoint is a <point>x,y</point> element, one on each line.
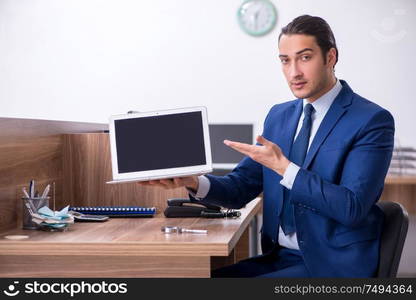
<point>334,113</point>
<point>291,124</point>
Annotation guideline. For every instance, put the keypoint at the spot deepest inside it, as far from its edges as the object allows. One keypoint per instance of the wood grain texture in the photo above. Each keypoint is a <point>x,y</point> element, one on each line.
<point>87,168</point>
<point>401,189</point>
<point>130,247</point>
<point>16,127</point>
<point>242,247</point>
<point>390,180</point>
<point>135,237</point>
<point>31,149</point>
<point>104,267</point>
<point>240,252</point>
<point>405,194</point>
<point>223,261</point>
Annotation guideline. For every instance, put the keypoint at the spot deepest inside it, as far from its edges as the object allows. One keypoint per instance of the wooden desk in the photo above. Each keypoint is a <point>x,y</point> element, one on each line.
<point>129,247</point>
<point>405,179</point>
<point>401,189</point>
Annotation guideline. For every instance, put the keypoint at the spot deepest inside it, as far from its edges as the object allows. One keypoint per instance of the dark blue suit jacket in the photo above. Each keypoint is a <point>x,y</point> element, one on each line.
<point>334,194</point>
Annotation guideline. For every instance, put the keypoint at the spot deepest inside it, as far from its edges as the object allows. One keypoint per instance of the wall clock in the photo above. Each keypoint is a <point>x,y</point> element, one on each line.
<point>257,17</point>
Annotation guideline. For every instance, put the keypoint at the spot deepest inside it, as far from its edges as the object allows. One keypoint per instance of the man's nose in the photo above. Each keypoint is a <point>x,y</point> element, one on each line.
<point>295,72</point>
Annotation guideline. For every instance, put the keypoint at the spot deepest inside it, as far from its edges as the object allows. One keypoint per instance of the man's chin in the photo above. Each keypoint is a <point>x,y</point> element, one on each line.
<point>300,94</point>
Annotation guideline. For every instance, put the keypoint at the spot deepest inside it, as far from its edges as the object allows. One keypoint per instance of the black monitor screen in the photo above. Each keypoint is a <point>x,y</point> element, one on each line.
<point>222,154</point>
<point>160,142</point>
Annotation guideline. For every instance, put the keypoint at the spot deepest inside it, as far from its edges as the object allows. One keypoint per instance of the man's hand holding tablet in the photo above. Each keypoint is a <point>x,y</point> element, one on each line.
<point>190,182</point>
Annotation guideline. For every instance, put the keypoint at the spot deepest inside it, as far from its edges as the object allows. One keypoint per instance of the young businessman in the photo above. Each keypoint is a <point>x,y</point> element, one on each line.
<point>320,163</point>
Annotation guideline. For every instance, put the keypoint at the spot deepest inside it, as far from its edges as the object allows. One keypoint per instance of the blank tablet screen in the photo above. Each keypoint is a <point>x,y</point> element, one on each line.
<point>160,142</point>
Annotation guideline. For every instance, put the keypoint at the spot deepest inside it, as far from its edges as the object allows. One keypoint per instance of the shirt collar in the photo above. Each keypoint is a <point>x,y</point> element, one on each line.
<point>323,103</point>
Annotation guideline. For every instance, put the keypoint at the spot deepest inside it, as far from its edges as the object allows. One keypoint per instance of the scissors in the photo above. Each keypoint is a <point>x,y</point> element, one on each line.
<point>176,229</point>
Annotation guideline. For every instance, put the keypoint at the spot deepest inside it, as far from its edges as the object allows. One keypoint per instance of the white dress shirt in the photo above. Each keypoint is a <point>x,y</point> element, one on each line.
<point>321,107</point>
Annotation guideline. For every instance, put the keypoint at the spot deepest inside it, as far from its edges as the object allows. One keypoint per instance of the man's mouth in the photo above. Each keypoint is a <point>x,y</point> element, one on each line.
<point>298,85</point>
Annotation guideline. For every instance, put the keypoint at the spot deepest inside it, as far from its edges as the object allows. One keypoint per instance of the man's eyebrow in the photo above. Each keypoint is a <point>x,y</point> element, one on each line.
<point>303,50</point>
<point>297,53</point>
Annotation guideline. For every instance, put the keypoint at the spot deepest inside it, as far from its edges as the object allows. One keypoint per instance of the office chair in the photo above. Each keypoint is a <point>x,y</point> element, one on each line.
<point>396,223</point>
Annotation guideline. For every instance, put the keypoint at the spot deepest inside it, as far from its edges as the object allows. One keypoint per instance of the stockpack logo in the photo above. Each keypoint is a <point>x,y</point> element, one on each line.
<point>11,289</point>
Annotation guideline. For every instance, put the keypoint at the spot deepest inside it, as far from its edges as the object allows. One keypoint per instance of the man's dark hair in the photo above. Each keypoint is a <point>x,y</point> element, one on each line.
<point>314,26</point>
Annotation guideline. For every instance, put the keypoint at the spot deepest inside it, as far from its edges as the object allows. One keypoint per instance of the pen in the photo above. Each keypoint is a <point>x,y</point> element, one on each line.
<point>54,197</point>
<point>25,192</point>
<point>46,191</point>
<point>32,188</point>
<point>30,206</point>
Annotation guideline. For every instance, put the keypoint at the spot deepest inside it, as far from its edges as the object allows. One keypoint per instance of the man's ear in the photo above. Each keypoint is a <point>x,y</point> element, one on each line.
<point>331,57</point>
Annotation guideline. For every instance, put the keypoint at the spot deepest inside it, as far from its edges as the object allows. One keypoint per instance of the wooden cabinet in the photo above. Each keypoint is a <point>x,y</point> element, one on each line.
<point>401,189</point>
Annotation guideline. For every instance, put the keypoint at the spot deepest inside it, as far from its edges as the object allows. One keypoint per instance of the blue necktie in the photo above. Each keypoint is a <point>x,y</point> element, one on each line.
<point>297,156</point>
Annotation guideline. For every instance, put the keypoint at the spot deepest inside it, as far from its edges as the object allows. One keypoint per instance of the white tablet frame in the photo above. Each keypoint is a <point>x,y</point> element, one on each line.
<point>160,173</point>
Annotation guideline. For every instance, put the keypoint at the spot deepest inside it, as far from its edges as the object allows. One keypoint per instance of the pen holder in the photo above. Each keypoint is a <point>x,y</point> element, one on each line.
<point>35,203</point>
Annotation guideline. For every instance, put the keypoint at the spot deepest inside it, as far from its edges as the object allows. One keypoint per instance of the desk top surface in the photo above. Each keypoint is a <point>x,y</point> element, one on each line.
<point>134,236</point>
<point>404,179</point>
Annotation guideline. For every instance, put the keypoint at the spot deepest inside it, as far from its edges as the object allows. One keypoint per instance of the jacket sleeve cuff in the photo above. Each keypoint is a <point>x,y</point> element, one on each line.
<point>290,175</point>
<point>203,188</point>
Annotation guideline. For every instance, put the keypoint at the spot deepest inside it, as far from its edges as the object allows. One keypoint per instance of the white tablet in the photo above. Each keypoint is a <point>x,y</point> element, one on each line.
<point>160,144</point>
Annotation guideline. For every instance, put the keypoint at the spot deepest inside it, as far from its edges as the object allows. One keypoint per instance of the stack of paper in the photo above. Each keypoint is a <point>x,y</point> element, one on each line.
<point>46,217</point>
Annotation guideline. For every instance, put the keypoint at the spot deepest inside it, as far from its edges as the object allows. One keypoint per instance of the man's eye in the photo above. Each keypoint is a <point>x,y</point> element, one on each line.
<point>284,61</point>
<point>306,57</point>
